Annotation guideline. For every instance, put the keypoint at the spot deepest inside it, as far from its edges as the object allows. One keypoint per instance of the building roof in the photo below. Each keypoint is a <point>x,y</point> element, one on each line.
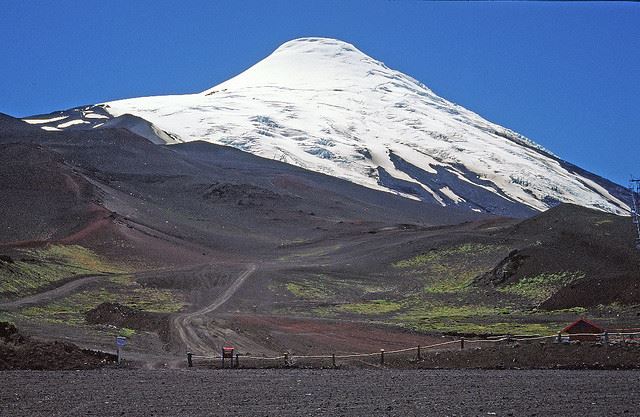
<point>583,321</point>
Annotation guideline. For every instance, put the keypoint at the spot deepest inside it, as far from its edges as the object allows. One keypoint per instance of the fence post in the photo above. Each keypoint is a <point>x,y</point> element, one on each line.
<point>419,357</point>
<point>461,343</point>
<point>333,359</point>
<point>189,359</point>
<point>222,358</point>
<point>286,359</point>
<point>237,360</point>
<point>381,356</point>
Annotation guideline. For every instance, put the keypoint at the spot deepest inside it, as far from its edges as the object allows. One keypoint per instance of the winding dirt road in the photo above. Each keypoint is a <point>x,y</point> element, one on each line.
<point>188,327</point>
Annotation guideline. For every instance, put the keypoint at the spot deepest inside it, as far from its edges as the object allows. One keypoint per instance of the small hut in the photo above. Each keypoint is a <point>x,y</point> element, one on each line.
<point>582,329</point>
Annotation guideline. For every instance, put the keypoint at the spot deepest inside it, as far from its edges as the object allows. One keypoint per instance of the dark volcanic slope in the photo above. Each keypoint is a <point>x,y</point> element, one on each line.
<point>570,239</point>
<point>211,195</point>
<point>42,197</point>
<point>11,126</point>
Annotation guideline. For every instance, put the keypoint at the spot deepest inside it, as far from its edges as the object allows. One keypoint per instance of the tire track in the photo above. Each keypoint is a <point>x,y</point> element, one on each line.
<point>186,325</point>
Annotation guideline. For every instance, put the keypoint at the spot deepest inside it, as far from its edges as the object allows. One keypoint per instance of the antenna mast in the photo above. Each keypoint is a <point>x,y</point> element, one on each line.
<point>634,187</point>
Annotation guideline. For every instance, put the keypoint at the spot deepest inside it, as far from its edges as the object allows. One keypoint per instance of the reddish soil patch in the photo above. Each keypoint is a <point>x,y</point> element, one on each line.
<point>99,219</point>
<point>323,337</point>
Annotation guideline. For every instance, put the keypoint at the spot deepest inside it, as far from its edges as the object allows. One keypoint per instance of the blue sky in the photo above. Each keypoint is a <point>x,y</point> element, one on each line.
<point>567,75</point>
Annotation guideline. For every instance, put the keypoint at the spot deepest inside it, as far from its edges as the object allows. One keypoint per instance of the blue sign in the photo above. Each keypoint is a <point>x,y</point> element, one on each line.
<point>121,341</point>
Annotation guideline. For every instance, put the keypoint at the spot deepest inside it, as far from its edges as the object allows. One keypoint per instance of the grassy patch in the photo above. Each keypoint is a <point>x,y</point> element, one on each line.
<point>327,288</point>
<point>71,309</point>
<point>124,279</point>
<point>452,269</point>
<point>309,291</point>
<point>443,311</point>
<point>497,329</point>
<point>540,287</point>
<point>7,317</point>
<point>469,319</point>
<point>126,332</point>
<point>452,283</point>
<point>578,311</point>
<point>436,255</point>
<point>152,299</point>
<point>324,312</point>
<point>39,268</point>
<point>74,256</point>
<point>371,307</point>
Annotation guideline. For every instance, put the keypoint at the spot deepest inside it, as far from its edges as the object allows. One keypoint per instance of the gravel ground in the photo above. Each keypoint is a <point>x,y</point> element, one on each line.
<point>294,392</point>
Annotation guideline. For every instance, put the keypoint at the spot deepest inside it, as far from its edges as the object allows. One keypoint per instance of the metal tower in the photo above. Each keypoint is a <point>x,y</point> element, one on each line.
<point>634,187</point>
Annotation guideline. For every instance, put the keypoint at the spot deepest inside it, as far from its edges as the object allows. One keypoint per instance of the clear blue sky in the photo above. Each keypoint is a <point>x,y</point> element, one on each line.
<point>567,75</point>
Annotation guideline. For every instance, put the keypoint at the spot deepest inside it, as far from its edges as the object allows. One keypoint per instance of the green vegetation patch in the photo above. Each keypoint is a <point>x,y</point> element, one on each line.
<point>71,309</point>
<point>309,290</point>
<point>540,287</point>
<point>39,268</point>
<point>453,283</point>
<point>6,316</point>
<point>574,311</point>
<point>437,255</point>
<point>452,269</point>
<point>372,307</point>
<point>74,256</point>
<point>495,329</point>
<point>152,299</point>
<point>323,287</point>
<point>123,279</point>
<point>469,319</point>
<point>126,332</point>
<point>444,311</point>
<point>432,316</point>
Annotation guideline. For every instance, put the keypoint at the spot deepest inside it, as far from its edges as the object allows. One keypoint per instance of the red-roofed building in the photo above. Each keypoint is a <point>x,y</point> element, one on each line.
<point>582,329</point>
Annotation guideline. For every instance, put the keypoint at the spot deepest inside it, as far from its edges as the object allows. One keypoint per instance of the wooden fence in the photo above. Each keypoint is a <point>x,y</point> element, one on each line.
<point>382,357</point>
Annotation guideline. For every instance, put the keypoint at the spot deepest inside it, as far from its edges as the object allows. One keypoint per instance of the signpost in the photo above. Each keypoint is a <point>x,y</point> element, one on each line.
<point>227,352</point>
<point>121,342</point>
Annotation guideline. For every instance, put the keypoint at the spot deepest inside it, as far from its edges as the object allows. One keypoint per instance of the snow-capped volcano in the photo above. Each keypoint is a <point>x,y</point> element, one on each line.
<point>324,105</point>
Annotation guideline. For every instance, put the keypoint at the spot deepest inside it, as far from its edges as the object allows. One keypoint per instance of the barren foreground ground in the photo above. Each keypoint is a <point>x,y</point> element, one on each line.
<point>295,392</point>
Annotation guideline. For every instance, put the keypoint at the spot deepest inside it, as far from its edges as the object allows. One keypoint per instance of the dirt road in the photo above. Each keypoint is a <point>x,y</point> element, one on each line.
<point>76,283</point>
<point>190,329</point>
<point>294,392</point>
<point>53,293</point>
